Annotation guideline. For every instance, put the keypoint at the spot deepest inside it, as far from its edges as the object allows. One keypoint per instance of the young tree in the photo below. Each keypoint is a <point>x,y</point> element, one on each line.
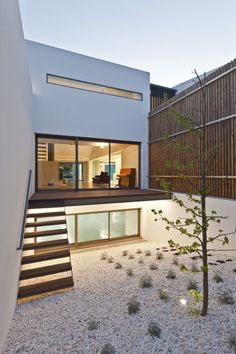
<point>197,221</point>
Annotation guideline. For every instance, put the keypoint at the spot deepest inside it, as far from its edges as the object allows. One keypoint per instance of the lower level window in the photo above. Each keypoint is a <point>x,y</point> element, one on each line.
<point>103,225</point>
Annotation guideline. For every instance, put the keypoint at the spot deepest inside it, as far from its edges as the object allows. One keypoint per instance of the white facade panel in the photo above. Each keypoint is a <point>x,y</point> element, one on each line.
<point>66,111</point>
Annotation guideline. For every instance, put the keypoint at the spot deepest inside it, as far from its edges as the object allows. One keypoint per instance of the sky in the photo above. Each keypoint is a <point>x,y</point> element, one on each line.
<point>167,38</point>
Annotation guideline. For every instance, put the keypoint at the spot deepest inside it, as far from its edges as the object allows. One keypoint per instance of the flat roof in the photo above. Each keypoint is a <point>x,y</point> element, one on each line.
<point>44,199</point>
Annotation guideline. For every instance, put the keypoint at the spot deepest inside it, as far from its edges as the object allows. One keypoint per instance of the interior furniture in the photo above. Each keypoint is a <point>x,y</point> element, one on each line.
<point>126,178</point>
<point>103,178</point>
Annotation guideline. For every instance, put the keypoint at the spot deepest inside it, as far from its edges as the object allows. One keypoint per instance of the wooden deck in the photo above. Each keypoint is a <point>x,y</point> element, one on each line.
<point>88,197</point>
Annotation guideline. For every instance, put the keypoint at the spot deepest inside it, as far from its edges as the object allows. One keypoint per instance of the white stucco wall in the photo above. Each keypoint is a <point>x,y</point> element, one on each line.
<point>65,111</point>
<point>16,153</point>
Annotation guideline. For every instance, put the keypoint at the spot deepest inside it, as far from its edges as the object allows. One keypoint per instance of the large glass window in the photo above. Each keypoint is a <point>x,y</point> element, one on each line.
<point>81,164</point>
<point>56,163</point>
<point>103,225</point>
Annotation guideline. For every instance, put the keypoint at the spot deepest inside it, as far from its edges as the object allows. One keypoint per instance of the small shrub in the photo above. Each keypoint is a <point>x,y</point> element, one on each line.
<point>159,255</point>
<point>110,259</point>
<point>154,330</point>
<point>226,297</point>
<point>163,294</point>
<point>234,270</point>
<point>232,340</point>
<point>218,278</point>
<point>133,305</point>
<point>141,261</point>
<point>131,256</point>
<point>175,261</point>
<point>118,265</point>
<point>145,281</point>
<point>194,268</point>
<point>108,348</point>
<point>139,251</point>
<point>129,272</point>
<point>153,266</point>
<point>92,325</point>
<point>171,274</point>
<point>125,253</point>
<point>192,285</point>
<point>103,256</point>
<point>147,253</point>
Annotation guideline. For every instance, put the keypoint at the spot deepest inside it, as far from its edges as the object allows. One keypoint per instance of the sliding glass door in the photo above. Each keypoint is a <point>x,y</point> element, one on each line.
<point>77,163</point>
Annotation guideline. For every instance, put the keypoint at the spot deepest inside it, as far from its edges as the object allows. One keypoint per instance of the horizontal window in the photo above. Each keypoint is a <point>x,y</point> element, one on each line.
<point>88,86</point>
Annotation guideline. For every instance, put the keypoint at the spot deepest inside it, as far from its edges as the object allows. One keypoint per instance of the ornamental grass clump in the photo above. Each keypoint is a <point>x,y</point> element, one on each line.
<point>163,294</point>
<point>175,261</point>
<point>218,278</point>
<point>147,253</point>
<point>153,266</point>
<point>131,256</point>
<point>232,340</point>
<point>171,274</point>
<point>194,268</point>
<point>133,305</point>
<point>103,256</point>
<point>118,265</point>
<point>140,261</point>
<point>154,330</point>
<point>110,259</point>
<point>129,272</point>
<point>226,297</point>
<point>139,251</point>
<point>125,253</point>
<point>159,255</point>
<point>92,325</point>
<point>108,348</point>
<point>145,281</point>
<point>192,285</point>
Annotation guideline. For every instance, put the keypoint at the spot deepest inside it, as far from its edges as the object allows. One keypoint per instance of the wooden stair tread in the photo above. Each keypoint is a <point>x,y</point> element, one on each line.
<point>48,270</point>
<point>52,285</point>
<point>45,223</point>
<point>45,233</point>
<point>46,215</point>
<point>47,244</point>
<point>45,256</point>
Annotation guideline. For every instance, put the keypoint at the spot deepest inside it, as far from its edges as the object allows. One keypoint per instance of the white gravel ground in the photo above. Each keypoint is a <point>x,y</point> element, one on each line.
<point>59,323</point>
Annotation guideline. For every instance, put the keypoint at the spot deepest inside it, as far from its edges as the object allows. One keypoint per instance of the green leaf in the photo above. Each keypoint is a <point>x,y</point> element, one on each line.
<point>204,268</point>
<point>183,268</point>
<point>225,241</point>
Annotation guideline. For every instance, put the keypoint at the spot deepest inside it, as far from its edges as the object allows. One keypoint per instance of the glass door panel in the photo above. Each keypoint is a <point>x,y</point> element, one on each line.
<point>92,227</point>
<point>124,223</point>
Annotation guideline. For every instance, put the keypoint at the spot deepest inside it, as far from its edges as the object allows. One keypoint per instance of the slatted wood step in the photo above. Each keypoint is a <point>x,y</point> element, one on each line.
<point>45,256</point>
<point>45,223</point>
<point>45,233</point>
<point>52,285</point>
<point>47,244</point>
<point>42,271</point>
<point>46,215</point>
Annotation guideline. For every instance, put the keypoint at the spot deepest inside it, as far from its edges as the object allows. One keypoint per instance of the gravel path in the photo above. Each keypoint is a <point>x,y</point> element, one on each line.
<point>59,323</point>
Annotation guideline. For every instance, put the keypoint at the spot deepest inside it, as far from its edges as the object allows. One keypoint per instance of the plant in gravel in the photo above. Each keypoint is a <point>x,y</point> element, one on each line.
<point>163,294</point>
<point>145,281</point>
<point>194,268</point>
<point>159,255</point>
<point>110,259</point>
<point>234,270</point>
<point>118,265</point>
<point>218,278</point>
<point>129,272</point>
<point>103,256</point>
<point>153,266</point>
<point>125,253</point>
<point>140,261</point>
<point>154,330</point>
<point>131,256</point>
<point>196,302</point>
<point>175,261</point>
<point>108,348</point>
<point>185,156</point>
<point>139,251</point>
<point>133,305</point>
<point>147,253</point>
<point>232,340</point>
<point>92,325</point>
<point>226,297</point>
<point>192,285</point>
<point>171,274</point>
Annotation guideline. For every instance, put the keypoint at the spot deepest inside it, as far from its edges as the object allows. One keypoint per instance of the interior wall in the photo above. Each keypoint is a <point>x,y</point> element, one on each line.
<point>16,153</point>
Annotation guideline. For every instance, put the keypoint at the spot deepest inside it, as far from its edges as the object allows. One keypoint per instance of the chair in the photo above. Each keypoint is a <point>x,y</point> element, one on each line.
<point>126,178</point>
<point>103,178</point>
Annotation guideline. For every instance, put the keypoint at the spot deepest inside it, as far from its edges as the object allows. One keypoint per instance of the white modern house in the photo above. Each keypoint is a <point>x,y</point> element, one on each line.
<point>79,124</point>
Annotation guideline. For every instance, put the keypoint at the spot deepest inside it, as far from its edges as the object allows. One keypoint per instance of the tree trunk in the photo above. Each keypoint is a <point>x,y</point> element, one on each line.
<point>205,276</point>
